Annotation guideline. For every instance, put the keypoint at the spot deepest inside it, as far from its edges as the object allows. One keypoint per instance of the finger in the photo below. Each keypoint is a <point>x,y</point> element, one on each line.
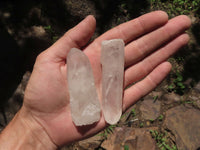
<point>132,29</point>
<point>140,48</point>
<point>76,37</point>
<point>143,68</point>
<point>140,89</point>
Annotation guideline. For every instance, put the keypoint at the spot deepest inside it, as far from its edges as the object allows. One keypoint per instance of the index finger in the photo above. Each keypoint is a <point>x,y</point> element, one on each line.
<point>132,29</point>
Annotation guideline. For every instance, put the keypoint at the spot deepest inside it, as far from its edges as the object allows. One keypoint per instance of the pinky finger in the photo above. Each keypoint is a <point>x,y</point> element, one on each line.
<point>143,87</point>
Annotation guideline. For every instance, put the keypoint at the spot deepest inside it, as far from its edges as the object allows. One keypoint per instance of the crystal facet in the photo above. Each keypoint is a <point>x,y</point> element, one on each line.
<point>112,60</point>
<point>84,102</point>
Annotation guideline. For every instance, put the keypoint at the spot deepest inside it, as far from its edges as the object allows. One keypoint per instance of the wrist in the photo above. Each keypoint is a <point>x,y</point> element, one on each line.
<point>23,132</point>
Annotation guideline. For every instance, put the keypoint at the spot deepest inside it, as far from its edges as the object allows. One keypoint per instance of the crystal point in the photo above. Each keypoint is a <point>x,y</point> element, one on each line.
<point>112,60</point>
<point>84,102</point>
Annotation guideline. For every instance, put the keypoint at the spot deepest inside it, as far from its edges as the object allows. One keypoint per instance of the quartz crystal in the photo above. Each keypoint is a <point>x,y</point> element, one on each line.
<point>112,60</point>
<point>84,102</point>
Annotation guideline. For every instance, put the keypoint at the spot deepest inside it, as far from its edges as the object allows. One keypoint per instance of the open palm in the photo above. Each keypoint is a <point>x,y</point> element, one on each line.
<point>150,40</point>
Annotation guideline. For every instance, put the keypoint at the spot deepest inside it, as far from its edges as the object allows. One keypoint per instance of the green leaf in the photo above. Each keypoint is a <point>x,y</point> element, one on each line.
<point>47,27</point>
<point>133,112</point>
<point>179,77</point>
<point>151,131</point>
<point>156,132</point>
<point>171,87</point>
<point>155,97</point>
<point>163,148</point>
<point>126,147</point>
<point>141,125</point>
<point>166,146</point>
<point>174,147</point>
<point>160,118</point>
<point>151,120</point>
<point>163,139</point>
<point>188,102</point>
<point>181,85</point>
<point>123,5</point>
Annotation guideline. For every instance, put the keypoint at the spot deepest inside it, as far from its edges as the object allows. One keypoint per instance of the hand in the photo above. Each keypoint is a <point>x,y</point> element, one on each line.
<point>150,40</point>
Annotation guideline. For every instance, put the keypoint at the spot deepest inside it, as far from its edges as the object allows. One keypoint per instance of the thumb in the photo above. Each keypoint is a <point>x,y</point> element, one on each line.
<point>76,37</point>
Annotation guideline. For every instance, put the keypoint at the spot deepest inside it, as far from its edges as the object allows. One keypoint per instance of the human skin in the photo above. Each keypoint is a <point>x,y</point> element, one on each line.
<point>44,120</point>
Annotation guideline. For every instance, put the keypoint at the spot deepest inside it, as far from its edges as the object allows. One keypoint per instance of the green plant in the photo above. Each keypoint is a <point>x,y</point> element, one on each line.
<point>51,32</point>
<point>108,130</point>
<point>155,98</point>
<point>124,115</point>
<point>141,125</point>
<point>186,6</point>
<point>100,148</point>
<point>47,27</point>
<point>55,38</point>
<point>161,140</point>
<point>126,147</point>
<point>133,113</point>
<point>177,86</point>
<point>177,7</point>
<point>187,102</point>
<point>151,120</point>
<point>160,118</point>
<point>179,59</point>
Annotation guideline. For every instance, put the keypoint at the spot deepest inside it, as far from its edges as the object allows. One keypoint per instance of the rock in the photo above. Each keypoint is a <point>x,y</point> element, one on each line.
<point>38,31</point>
<point>184,123</point>
<point>193,97</point>
<point>128,114</point>
<point>197,87</point>
<point>35,14</point>
<point>34,31</point>
<point>150,109</point>
<point>84,102</point>
<point>70,147</point>
<point>2,121</point>
<point>156,94</point>
<point>170,98</point>
<point>198,104</point>
<point>112,60</point>
<point>134,138</point>
<point>193,18</point>
<point>90,143</point>
<point>15,102</point>
<point>80,8</point>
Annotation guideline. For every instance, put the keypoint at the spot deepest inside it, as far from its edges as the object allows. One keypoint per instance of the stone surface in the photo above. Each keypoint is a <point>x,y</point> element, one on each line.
<point>80,9</point>
<point>198,104</point>
<point>135,138</point>
<point>90,143</point>
<point>16,100</point>
<point>128,114</point>
<point>197,87</point>
<point>84,102</point>
<point>112,60</point>
<point>184,123</point>
<point>150,109</point>
<point>156,94</point>
<point>170,98</point>
<point>14,103</point>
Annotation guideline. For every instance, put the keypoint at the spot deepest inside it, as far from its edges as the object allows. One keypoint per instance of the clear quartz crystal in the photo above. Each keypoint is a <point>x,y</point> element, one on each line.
<point>84,102</point>
<point>112,60</point>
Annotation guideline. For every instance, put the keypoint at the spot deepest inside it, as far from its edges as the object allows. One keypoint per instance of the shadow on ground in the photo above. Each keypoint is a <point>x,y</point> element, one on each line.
<point>20,46</point>
<point>118,11</point>
<point>192,56</point>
